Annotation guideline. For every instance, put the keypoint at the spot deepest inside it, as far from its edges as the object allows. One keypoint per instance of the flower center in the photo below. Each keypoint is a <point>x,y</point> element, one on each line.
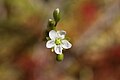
<point>58,41</point>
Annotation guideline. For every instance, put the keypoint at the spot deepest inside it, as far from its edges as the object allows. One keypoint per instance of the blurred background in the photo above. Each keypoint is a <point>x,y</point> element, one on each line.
<point>92,25</point>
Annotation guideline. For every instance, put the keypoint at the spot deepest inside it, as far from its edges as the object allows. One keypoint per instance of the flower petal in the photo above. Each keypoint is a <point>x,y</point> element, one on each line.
<point>50,44</point>
<point>66,45</point>
<point>58,49</point>
<point>53,34</point>
<point>61,34</point>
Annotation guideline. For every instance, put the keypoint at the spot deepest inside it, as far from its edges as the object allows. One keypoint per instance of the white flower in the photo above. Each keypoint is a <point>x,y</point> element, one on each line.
<point>58,41</point>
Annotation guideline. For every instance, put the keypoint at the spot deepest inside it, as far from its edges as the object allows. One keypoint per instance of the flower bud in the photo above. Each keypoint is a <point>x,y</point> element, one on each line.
<point>56,15</point>
<point>60,57</point>
<point>51,24</point>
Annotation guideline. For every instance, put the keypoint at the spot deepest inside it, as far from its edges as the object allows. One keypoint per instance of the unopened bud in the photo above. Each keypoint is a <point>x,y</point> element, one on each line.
<point>60,57</point>
<point>56,15</point>
<point>51,23</point>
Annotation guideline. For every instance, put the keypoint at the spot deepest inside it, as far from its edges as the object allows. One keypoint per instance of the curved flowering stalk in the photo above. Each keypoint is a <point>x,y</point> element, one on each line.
<point>56,40</point>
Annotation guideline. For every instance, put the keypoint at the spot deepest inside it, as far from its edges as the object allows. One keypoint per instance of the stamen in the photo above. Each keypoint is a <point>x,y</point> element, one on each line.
<point>58,41</point>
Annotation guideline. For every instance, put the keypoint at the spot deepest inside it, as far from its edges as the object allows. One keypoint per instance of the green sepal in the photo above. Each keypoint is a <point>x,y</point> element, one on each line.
<point>59,57</point>
<point>67,38</point>
<point>52,49</point>
<point>47,38</point>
